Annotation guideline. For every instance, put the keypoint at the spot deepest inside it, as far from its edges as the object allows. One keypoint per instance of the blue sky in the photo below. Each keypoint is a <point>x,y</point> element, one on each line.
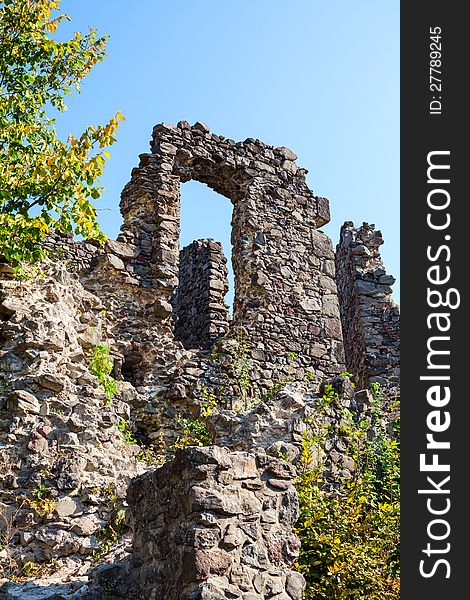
<point>320,77</point>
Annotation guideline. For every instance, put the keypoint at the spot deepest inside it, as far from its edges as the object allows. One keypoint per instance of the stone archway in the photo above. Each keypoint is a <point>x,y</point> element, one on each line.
<point>285,297</point>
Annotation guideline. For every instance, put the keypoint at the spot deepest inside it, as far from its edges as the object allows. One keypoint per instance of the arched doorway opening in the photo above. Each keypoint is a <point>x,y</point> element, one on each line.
<point>204,296</point>
<point>205,214</point>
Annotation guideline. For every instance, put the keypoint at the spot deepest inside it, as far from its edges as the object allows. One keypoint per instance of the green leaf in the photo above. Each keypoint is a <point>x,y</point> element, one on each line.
<point>37,168</point>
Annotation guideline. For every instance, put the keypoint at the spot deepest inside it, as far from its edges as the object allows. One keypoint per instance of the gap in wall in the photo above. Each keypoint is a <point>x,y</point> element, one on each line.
<point>206,214</point>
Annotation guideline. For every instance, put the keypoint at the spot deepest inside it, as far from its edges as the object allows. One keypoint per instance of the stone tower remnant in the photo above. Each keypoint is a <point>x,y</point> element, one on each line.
<point>370,318</point>
<point>201,314</point>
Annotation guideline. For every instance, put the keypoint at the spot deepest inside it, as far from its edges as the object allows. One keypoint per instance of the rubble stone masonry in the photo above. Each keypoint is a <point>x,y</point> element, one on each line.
<point>285,294</point>
<point>216,522</point>
<point>202,317</point>
<point>370,317</point>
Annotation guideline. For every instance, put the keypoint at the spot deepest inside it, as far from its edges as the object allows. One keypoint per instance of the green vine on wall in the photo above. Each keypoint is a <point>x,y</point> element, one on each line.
<point>101,365</point>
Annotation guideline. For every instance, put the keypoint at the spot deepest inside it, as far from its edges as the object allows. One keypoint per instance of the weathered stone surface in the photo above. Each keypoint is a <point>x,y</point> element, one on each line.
<point>87,525</point>
<point>120,249</point>
<point>295,585</point>
<point>370,318</point>
<point>170,565</point>
<point>201,315</point>
<point>23,402</point>
<point>115,261</point>
<point>67,506</point>
<point>274,216</point>
<point>162,308</point>
<point>217,522</point>
<point>51,382</point>
<point>58,432</point>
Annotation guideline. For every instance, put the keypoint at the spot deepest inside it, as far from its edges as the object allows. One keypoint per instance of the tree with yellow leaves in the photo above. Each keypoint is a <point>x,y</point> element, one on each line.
<point>45,183</point>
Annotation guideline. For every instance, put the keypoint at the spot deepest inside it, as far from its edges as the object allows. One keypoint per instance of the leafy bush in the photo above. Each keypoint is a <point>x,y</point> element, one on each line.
<point>350,532</point>
<point>194,432</point>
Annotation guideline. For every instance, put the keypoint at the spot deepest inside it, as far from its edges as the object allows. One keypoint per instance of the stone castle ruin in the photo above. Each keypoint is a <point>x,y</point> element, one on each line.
<point>285,296</point>
<point>215,522</point>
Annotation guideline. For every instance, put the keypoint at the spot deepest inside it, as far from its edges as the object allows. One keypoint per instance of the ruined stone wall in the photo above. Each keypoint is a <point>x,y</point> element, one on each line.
<point>215,524</point>
<point>202,316</point>
<point>78,255</point>
<point>61,453</point>
<point>370,318</point>
<point>285,295</point>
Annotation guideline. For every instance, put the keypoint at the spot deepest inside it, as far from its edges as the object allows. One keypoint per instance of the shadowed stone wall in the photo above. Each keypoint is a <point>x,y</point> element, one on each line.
<point>201,315</point>
<point>215,524</point>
